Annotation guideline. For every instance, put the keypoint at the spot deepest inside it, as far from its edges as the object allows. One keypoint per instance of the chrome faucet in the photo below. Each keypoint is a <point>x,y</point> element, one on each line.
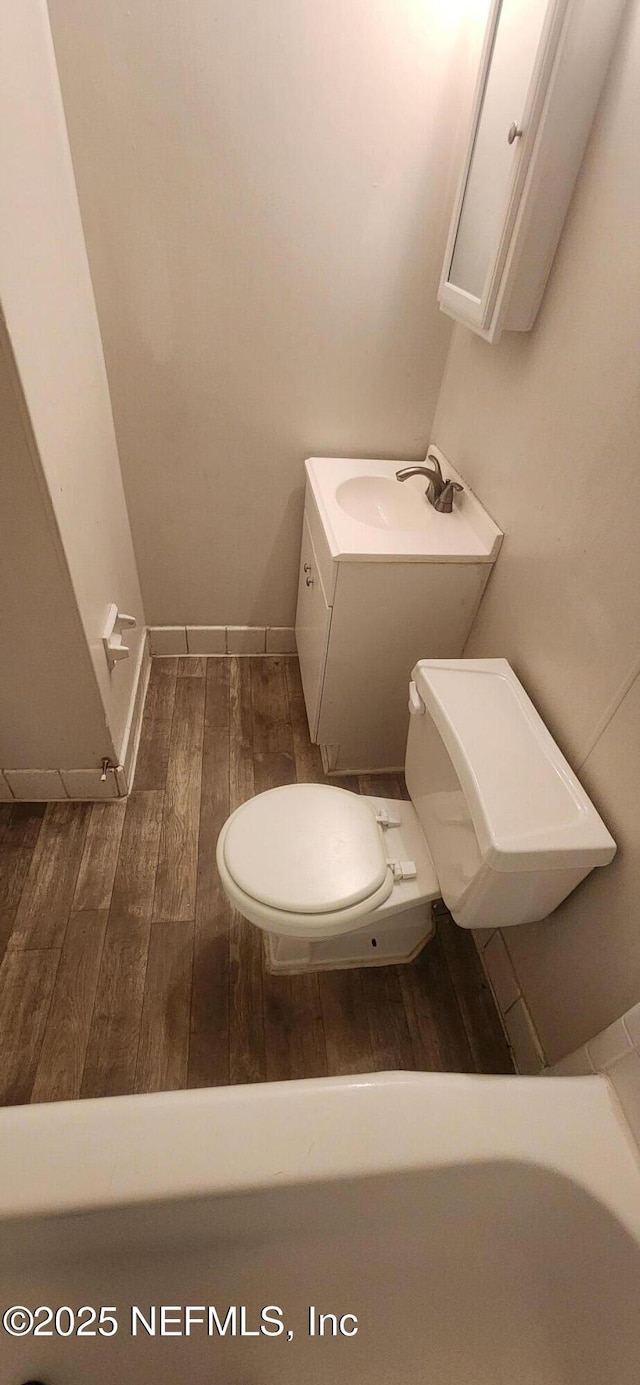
<point>439,492</point>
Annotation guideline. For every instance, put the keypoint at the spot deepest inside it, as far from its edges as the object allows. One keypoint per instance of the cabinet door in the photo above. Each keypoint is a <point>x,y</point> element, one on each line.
<point>313,621</point>
<point>514,38</point>
<point>542,68</point>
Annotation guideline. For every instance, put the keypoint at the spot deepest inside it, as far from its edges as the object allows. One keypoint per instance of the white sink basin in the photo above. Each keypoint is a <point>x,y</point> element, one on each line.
<point>381,502</point>
<point>368,515</point>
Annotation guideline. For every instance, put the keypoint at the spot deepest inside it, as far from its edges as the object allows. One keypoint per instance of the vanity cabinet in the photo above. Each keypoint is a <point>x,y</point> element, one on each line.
<point>313,623</point>
<point>541,72</point>
<point>362,622</point>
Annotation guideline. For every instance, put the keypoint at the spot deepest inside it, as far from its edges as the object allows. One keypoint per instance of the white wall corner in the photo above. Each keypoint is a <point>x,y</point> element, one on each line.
<point>615,1051</point>
<point>624,1075</point>
<point>576,1064</point>
<point>482,936</point>
<point>56,346</point>
<point>378,142</point>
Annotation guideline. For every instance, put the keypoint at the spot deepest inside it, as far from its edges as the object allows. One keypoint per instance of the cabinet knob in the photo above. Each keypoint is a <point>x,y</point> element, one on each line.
<point>514,133</point>
<point>307,567</point>
<point>309,581</point>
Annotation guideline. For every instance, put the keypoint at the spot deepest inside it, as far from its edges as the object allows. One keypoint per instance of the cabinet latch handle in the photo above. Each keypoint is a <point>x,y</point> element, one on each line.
<point>514,132</point>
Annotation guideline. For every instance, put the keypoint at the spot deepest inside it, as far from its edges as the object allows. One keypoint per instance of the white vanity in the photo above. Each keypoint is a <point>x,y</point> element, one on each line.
<point>385,580</point>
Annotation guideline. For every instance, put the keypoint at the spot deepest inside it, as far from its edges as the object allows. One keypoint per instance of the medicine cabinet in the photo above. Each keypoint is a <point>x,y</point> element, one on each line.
<point>542,68</point>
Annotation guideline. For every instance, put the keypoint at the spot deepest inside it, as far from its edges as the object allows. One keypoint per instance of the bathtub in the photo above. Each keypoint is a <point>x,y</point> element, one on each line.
<point>429,1228</point>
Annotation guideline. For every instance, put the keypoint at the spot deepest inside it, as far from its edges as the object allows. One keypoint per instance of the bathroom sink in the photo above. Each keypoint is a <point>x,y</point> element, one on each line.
<point>368,515</point>
<point>381,502</point>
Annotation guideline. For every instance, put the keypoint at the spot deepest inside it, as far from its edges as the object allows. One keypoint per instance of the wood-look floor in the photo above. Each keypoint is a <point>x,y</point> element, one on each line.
<point>124,969</point>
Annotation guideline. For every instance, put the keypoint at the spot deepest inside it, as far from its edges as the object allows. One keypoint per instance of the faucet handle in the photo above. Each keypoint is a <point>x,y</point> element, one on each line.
<point>444,502</point>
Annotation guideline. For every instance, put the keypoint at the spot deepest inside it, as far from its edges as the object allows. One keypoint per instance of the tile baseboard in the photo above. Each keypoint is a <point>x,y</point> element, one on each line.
<point>281,639</point>
<point>206,639</point>
<point>85,785</point>
<point>129,751</point>
<point>167,639</point>
<point>520,1031</point>
<point>36,785</point>
<point>213,640</point>
<point>64,785</point>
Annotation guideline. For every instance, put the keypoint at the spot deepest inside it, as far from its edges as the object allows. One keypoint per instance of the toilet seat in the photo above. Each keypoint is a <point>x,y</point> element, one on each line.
<point>305,859</point>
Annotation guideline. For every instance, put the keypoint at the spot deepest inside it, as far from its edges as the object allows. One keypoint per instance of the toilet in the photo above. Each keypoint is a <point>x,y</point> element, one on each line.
<point>497,826</point>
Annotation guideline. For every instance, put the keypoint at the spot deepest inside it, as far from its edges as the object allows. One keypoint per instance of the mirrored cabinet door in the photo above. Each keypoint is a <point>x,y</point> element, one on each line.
<point>542,67</point>
<point>496,147</point>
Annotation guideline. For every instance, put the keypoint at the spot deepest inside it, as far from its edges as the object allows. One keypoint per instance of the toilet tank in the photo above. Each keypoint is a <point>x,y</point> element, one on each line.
<point>510,828</point>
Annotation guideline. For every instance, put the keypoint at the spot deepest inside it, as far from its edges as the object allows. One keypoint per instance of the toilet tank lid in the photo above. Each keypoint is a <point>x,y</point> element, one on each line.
<point>528,809</point>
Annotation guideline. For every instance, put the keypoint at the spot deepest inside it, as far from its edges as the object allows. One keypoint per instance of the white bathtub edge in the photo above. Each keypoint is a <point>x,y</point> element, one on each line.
<point>84,1155</point>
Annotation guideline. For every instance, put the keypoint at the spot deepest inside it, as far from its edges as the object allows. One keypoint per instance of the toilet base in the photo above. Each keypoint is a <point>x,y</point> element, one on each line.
<point>398,938</point>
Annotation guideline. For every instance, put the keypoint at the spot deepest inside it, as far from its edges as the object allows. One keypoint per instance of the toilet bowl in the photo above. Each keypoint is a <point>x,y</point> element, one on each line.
<point>331,877</point>
<point>498,826</point>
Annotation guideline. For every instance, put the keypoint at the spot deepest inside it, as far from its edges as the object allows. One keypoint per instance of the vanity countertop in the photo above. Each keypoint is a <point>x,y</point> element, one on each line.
<point>369,516</point>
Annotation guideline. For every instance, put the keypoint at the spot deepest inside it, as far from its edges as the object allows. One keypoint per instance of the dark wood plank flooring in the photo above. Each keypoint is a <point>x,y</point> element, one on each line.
<point>124,968</point>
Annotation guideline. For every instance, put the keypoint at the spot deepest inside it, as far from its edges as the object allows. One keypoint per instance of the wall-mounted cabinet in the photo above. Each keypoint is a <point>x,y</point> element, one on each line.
<point>542,68</point>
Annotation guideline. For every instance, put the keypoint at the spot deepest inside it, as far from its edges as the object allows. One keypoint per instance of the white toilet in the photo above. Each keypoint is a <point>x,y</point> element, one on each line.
<point>498,826</point>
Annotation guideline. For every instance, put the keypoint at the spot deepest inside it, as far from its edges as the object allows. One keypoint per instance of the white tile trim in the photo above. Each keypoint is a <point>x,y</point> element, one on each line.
<point>281,639</point>
<point>56,785</point>
<point>206,639</point>
<point>520,1031</point>
<point>129,752</point>
<point>215,641</point>
<point>36,785</point>
<point>624,1074</point>
<point>523,1039</point>
<point>246,639</point>
<point>576,1064</point>
<point>631,1022</point>
<point>498,965</point>
<point>88,786</point>
<point>167,639</point>
<point>615,1051</point>
<point>612,1043</point>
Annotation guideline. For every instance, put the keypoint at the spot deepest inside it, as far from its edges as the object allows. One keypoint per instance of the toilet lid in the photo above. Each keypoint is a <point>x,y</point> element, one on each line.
<point>306,848</point>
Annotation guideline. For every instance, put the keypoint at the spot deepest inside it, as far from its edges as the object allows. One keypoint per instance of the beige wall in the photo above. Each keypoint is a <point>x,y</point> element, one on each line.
<point>265,190</point>
<point>49,309</point>
<point>50,712</point>
<point>546,428</point>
